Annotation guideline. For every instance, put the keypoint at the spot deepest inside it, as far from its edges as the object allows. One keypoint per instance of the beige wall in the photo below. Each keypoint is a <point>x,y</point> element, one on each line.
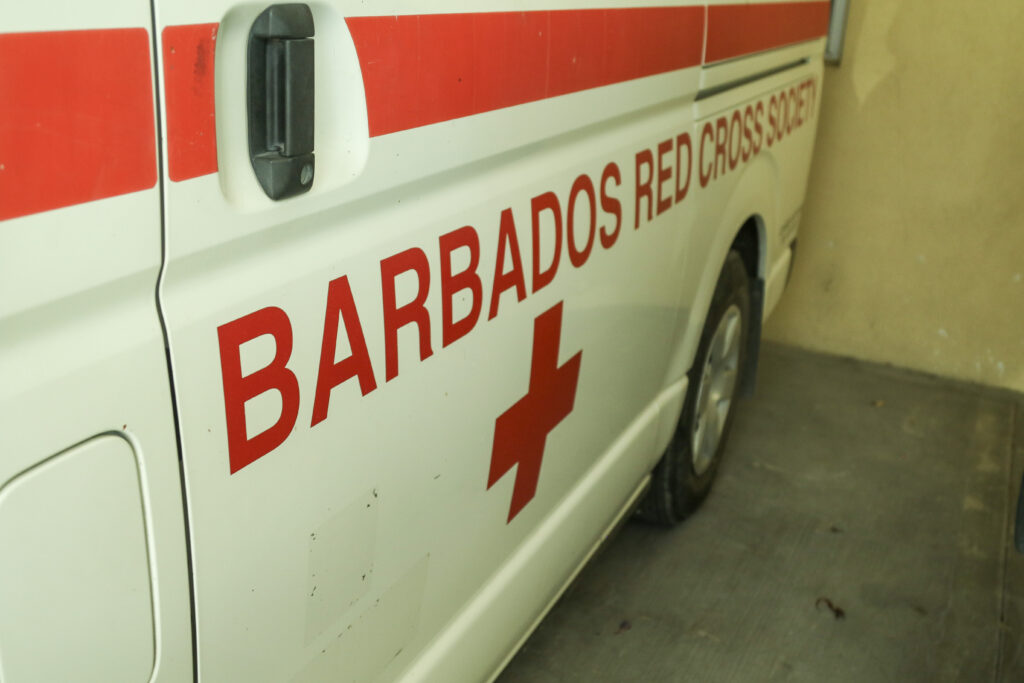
<point>911,247</point>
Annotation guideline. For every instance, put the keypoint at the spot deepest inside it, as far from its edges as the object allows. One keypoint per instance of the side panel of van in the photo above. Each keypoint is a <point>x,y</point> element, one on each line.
<point>412,399</point>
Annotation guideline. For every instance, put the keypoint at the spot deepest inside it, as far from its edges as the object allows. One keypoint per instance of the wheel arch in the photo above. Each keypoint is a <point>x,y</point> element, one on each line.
<point>750,243</point>
<point>749,237</point>
<point>745,222</point>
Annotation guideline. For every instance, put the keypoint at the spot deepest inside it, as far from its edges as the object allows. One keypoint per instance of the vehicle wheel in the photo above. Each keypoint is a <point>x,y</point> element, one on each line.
<point>683,477</point>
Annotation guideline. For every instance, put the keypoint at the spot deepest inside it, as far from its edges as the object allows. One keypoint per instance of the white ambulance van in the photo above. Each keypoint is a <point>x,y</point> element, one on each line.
<point>334,338</point>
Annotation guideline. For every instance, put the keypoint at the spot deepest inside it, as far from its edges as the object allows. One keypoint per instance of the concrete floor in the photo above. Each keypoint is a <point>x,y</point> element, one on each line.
<point>885,492</point>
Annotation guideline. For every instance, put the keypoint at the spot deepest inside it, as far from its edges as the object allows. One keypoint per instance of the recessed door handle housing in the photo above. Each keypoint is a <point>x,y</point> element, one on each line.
<point>280,99</point>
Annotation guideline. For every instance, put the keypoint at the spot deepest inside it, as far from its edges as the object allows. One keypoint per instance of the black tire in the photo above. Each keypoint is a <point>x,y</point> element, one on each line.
<point>677,488</point>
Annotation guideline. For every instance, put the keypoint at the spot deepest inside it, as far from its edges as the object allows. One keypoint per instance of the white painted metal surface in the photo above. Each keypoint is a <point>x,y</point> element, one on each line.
<point>82,358</point>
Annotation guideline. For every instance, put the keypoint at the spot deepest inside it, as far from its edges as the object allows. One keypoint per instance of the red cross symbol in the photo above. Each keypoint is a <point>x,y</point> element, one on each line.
<point>521,431</point>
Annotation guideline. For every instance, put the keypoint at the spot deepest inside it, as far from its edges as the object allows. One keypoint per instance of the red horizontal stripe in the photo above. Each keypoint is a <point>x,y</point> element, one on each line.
<point>736,30</point>
<point>188,88</point>
<point>424,69</point>
<point>77,120</point>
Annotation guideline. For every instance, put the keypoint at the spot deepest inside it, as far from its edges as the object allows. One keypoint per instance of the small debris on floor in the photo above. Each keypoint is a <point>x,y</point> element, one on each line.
<point>878,403</point>
<point>837,611</point>
<point>623,627</point>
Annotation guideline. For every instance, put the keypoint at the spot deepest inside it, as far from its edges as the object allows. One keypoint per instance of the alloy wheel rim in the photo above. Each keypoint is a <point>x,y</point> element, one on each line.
<point>717,389</point>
